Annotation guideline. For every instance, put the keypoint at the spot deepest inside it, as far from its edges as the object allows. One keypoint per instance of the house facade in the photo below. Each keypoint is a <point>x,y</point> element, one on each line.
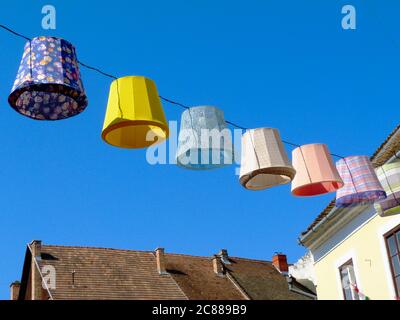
<point>86,273</point>
<point>355,251</point>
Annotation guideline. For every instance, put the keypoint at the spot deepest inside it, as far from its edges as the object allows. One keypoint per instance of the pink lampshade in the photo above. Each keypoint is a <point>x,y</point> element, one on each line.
<point>315,171</point>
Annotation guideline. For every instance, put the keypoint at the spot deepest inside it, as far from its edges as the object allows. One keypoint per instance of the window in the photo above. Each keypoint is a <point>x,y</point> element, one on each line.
<point>348,279</point>
<point>393,249</point>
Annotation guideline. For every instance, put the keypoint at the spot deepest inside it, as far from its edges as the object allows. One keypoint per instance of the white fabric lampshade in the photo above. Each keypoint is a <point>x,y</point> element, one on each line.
<point>264,162</point>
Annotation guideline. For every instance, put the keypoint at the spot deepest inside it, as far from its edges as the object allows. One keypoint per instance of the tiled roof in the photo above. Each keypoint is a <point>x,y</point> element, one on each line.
<point>385,151</point>
<point>107,274</point>
<point>258,280</point>
<point>261,280</point>
<point>197,279</point>
<point>100,273</point>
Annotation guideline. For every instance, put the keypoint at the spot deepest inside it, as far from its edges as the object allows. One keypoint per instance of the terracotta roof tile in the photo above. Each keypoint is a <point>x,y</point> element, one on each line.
<point>101,273</point>
<point>261,280</point>
<point>197,279</point>
<point>107,274</point>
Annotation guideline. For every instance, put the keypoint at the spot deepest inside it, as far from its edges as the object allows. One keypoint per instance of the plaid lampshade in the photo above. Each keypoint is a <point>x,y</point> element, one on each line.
<point>264,162</point>
<point>361,184</point>
<point>389,177</point>
<point>48,85</point>
<point>204,140</point>
<point>315,171</point>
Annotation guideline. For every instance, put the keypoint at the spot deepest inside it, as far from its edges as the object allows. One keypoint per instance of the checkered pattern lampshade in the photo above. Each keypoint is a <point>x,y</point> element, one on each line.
<point>315,171</point>
<point>389,177</point>
<point>361,184</point>
<point>204,140</point>
<point>264,162</point>
<point>48,85</point>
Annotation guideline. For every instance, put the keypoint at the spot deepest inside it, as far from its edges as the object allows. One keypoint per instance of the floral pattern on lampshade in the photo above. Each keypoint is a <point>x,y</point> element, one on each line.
<point>48,85</point>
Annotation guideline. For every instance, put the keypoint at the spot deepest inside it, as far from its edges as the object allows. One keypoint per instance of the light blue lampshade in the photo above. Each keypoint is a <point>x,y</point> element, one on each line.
<point>204,141</point>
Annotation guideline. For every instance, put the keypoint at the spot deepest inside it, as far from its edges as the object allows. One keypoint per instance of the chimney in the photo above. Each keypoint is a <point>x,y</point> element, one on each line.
<point>36,284</point>
<point>160,257</point>
<point>224,256</point>
<point>217,265</point>
<point>14,288</point>
<point>36,249</point>
<point>280,262</point>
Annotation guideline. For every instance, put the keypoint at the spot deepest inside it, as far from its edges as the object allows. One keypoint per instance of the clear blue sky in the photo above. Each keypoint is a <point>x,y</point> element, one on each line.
<point>284,64</point>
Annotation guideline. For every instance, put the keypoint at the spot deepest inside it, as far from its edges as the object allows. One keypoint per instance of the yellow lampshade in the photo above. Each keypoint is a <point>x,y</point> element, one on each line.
<point>134,116</point>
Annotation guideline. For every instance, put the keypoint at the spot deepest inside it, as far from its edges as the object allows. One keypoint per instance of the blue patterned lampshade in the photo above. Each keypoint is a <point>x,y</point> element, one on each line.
<point>48,85</point>
<point>204,141</point>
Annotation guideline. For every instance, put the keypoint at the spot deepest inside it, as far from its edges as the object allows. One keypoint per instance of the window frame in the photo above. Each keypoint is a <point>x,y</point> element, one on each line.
<point>354,294</point>
<point>386,237</point>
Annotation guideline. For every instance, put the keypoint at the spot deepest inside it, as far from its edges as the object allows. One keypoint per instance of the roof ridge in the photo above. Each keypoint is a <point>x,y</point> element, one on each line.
<point>128,250</point>
<point>187,255</point>
<point>250,259</point>
<point>210,257</point>
<point>150,251</point>
<point>92,247</point>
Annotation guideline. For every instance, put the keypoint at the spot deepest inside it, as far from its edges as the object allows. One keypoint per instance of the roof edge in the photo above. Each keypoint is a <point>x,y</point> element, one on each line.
<point>331,210</point>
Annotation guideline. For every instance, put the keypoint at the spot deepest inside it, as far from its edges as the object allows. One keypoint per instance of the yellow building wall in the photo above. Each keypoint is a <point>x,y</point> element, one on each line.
<point>365,247</point>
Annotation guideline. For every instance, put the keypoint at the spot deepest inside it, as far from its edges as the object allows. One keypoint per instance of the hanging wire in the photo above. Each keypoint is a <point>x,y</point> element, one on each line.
<point>161,97</point>
<point>14,32</point>
<point>174,102</point>
<point>235,125</point>
<point>97,70</point>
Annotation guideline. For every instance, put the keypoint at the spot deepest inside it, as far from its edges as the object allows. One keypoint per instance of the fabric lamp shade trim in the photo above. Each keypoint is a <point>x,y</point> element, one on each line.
<point>48,85</point>
<point>389,177</point>
<point>134,116</point>
<point>315,171</point>
<point>192,152</point>
<point>264,162</point>
<point>361,184</point>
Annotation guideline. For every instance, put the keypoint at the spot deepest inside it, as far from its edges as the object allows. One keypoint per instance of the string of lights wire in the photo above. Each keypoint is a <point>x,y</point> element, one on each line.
<point>179,104</point>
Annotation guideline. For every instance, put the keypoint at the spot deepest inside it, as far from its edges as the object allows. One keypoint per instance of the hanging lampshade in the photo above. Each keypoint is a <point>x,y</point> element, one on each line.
<point>264,162</point>
<point>361,184</point>
<point>315,171</point>
<point>389,177</point>
<point>204,141</point>
<point>48,84</point>
<point>134,116</point>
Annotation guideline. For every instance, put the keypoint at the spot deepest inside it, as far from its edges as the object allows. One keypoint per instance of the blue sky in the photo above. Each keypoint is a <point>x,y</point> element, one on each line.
<point>285,64</point>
